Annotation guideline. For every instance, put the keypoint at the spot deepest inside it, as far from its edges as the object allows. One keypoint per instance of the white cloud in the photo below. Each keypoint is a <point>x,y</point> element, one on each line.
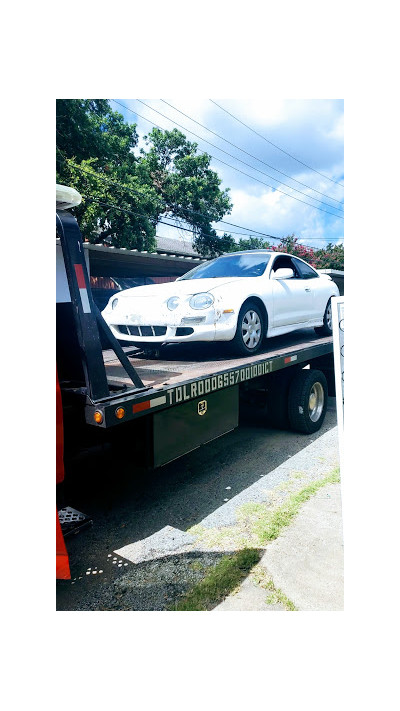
<point>276,214</point>
<point>337,131</point>
<point>262,112</point>
<point>310,130</point>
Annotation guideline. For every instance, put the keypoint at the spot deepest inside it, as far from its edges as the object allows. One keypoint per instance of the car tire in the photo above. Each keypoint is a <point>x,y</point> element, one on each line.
<point>326,329</point>
<point>307,401</point>
<point>249,331</point>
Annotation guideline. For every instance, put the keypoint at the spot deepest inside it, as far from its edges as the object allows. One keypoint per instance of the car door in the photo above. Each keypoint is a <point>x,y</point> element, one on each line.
<point>314,286</point>
<point>292,298</point>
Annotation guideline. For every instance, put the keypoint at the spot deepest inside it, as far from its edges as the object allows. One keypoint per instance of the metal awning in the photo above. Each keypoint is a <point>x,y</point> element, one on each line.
<point>123,262</point>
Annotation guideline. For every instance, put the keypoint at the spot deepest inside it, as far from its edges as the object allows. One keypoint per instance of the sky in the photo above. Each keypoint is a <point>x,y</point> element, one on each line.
<point>269,184</point>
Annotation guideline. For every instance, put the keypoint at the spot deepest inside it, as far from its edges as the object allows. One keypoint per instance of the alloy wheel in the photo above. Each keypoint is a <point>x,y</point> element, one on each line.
<point>316,402</point>
<point>251,329</point>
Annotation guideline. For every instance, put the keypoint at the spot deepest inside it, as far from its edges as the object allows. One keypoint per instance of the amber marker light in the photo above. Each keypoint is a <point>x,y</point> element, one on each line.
<point>120,413</point>
<point>228,311</point>
<point>98,417</point>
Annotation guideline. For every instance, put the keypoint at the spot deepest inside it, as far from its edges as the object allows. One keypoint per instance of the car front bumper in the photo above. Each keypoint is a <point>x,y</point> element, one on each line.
<point>173,327</point>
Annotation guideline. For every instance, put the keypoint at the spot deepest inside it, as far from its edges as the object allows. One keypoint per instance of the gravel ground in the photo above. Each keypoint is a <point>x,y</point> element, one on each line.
<point>138,555</point>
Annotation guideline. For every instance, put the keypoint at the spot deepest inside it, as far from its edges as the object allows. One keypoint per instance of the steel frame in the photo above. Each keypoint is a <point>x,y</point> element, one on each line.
<point>88,319</point>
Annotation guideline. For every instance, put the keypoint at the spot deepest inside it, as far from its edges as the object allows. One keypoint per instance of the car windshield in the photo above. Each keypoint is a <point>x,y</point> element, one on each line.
<point>237,265</point>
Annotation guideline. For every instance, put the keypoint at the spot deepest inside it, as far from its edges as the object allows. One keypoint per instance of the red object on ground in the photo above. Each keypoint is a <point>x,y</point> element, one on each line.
<point>62,562</point>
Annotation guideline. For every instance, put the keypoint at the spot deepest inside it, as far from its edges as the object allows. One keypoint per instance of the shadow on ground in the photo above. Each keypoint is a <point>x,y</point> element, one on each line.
<point>159,584</point>
<point>128,507</point>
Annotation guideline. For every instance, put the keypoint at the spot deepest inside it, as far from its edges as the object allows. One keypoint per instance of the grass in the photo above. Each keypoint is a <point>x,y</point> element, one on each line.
<point>256,525</point>
<point>222,579</point>
<point>276,596</point>
<point>269,527</point>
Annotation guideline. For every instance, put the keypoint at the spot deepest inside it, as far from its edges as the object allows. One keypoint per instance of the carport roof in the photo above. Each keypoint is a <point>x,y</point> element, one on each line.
<point>113,261</point>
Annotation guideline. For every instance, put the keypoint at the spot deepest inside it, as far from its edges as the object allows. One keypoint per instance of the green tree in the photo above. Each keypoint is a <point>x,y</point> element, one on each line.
<point>95,155</point>
<point>291,245</point>
<point>331,257</point>
<point>125,194</point>
<point>189,189</point>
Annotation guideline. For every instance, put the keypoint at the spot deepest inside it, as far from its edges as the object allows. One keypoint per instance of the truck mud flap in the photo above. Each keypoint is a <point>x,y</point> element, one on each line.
<point>179,430</point>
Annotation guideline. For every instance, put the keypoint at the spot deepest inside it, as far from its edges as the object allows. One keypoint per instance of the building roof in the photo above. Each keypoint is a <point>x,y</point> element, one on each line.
<point>175,246</point>
<point>123,262</point>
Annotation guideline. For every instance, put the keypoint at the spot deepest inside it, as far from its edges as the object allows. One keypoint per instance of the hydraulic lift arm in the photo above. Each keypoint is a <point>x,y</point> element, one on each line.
<point>87,316</point>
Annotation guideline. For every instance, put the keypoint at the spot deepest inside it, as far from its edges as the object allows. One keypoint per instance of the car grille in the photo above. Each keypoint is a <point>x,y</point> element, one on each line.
<point>142,330</point>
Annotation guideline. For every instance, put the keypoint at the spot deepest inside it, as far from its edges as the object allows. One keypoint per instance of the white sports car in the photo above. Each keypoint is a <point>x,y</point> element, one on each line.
<point>240,297</point>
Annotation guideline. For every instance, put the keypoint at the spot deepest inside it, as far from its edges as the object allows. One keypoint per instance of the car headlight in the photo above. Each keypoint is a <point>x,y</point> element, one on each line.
<point>173,303</point>
<point>201,301</point>
<point>114,303</point>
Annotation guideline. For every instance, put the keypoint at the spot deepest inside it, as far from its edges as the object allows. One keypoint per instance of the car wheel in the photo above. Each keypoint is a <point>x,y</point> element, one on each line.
<point>326,329</point>
<point>307,402</point>
<point>250,330</point>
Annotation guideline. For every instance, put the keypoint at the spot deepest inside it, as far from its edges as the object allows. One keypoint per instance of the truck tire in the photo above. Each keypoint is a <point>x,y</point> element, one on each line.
<point>250,330</point>
<point>307,401</point>
<point>326,329</point>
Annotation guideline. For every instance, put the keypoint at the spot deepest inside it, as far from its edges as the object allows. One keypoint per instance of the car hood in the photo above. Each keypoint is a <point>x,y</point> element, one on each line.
<point>177,288</point>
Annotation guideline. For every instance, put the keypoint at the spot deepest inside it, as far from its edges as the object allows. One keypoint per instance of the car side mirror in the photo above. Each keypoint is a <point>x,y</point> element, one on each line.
<point>283,274</point>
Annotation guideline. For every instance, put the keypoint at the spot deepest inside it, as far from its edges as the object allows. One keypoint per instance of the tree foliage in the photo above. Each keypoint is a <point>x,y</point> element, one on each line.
<point>249,243</point>
<point>125,192</point>
<point>329,257</point>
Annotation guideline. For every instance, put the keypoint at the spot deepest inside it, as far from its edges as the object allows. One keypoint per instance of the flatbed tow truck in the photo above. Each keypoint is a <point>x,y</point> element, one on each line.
<point>153,408</point>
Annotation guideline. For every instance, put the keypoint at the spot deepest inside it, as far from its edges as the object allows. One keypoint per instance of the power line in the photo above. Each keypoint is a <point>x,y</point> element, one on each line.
<point>315,207</point>
<point>133,191</point>
<point>178,227</point>
<point>184,209</point>
<point>259,160</point>
<point>275,146</point>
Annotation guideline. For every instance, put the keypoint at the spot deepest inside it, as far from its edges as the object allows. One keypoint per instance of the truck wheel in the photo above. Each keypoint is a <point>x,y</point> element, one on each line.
<point>326,329</point>
<point>250,330</point>
<point>307,402</point>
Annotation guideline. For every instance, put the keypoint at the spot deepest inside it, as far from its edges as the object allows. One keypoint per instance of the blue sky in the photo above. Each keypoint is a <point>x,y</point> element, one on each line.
<point>310,130</point>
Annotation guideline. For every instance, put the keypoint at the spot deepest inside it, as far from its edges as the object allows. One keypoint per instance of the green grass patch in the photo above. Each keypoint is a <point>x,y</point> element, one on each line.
<point>219,582</point>
<point>257,524</point>
<point>268,527</point>
<point>222,538</point>
<point>252,508</point>
<point>276,596</point>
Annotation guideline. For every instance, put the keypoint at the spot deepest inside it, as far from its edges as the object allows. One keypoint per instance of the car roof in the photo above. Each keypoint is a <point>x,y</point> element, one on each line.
<point>251,251</point>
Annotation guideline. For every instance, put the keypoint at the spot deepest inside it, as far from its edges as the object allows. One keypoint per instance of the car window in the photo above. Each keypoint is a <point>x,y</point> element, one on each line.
<point>305,270</point>
<point>286,262</point>
<point>239,265</point>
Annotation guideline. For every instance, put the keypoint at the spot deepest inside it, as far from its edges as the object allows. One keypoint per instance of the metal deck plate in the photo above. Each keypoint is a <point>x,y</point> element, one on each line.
<point>72,521</point>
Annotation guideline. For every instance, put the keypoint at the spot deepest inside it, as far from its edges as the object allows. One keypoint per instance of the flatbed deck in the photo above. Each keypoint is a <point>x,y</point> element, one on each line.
<point>187,371</point>
<point>184,362</point>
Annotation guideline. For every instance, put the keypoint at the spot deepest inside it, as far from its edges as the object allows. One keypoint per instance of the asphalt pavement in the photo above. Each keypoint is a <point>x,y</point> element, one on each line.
<point>144,550</point>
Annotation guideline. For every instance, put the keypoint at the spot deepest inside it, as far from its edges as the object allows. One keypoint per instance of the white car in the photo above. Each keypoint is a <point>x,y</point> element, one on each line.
<point>241,297</point>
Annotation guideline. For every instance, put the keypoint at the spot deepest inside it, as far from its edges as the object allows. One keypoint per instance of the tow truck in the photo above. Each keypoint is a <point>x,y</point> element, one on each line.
<point>153,408</point>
